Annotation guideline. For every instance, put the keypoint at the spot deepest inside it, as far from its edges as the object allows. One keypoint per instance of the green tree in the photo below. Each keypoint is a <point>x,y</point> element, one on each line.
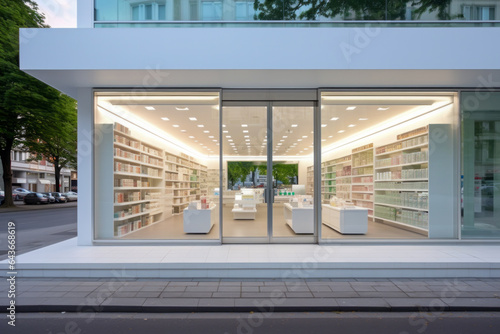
<point>357,9</point>
<point>285,173</point>
<point>24,101</point>
<point>57,143</point>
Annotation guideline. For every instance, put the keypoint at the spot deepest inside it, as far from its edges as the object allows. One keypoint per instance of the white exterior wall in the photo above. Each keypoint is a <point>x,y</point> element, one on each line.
<point>69,59</point>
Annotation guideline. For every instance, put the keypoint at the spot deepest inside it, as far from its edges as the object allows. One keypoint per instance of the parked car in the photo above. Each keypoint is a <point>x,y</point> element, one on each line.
<point>60,198</point>
<point>2,197</point>
<point>71,196</point>
<point>19,193</point>
<point>35,198</point>
<point>51,198</point>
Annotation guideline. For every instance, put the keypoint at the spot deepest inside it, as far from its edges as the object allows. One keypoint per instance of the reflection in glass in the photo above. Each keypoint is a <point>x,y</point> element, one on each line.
<point>480,165</point>
<point>279,10</point>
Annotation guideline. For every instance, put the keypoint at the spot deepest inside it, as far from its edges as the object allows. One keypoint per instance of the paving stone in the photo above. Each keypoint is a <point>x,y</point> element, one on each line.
<point>342,288</point>
<point>174,288</point>
<point>315,303</point>
<point>201,289</point>
<point>64,288</point>
<point>229,289</point>
<point>77,294</point>
<point>172,302</point>
<point>226,295</point>
<point>152,289</point>
<point>171,294</point>
<point>423,294</point>
<point>299,295</point>
<point>182,283</point>
<point>258,294</point>
<point>388,294</point>
<point>298,289</point>
<point>217,302</point>
<point>274,283</point>
<point>252,283</point>
<point>324,294</point>
<point>123,301</point>
<point>148,294</point>
<point>387,288</point>
<point>274,288</point>
<point>230,283</point>
<point>250,289</point>
<point>319,288</point>
<point>208,283</point>
<point>124,294</point>
<point>77,302</point>
<point>364,288</point>
<point>198,294</point>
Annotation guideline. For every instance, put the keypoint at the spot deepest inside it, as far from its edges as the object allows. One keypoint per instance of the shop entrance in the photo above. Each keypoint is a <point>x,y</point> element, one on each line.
<point>268,148</point>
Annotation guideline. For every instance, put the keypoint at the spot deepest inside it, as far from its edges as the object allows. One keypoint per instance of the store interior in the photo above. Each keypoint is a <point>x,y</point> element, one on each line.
<point>158,172</point>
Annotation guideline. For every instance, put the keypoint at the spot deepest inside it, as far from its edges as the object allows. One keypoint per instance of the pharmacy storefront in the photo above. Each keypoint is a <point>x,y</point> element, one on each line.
<point>282,138</point>
<point>327,166</point>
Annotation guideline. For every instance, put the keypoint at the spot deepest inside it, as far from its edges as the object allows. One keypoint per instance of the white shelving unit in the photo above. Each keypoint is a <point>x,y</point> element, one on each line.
<point>138,177</point>
<point>300,219</point>
<point>362,177</point>
<point>310,181</point>
<point>345,220</point>
<point>245,205</point>
<point>183,181</point>
<point>405,173</point>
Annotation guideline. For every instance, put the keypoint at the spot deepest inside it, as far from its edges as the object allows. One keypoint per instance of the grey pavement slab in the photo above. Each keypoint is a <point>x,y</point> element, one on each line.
<point>188,295</point>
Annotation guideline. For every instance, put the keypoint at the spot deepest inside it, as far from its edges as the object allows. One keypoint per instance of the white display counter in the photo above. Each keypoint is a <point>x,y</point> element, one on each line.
<point>244,213</point>
<point>199,220</point>
<point>300,219</point>
<point>352,220</point>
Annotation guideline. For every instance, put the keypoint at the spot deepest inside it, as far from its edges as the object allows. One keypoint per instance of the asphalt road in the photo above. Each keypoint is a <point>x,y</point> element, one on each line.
<point>255,323</point>
<point>38,228</point>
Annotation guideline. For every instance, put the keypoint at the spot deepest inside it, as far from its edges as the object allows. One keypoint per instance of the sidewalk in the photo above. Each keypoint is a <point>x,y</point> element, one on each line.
<point>219,295</point>
<point>20,206</point>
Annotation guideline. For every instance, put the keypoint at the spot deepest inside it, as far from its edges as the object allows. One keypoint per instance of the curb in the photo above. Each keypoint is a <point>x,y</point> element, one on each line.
<point>244,309</point>
<point>24,207</point>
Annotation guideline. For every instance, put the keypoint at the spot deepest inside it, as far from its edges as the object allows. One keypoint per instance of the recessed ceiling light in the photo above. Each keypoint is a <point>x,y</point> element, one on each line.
<point>214,140</point>
<point>351,125</point>
<point>305,149</point>
<point>191,137</point>
<point>228,136</point>
<point>210,136</point>
<point>285,136</point>
<point>294,125</point>
<point>279,144</point>
<point>192,119</point>
<point>206,131</point>
<point>304,136</point>
<point>183,130</point>
<point>341,131</point>
<point>383,108</point>
<point>246,136</point>
<point>165,119</point>
<point>230,140</point>
<point>282,140</point>
<point>330,136</point>
<point>323,125</point>
<point>299,139</point>
<point>350,108</point>
<point>245,131</point>
<point>247,139</point>
<point>225,131</point>
<point>323,139</point>
<point>150,108</point>
<point>201,125</point>
<point>363,119</point>
<point>334,119</point>
<point>244,125</point>
<point>247,143</point>
<point>223,125</point>
<point>265,139</point>
<point>175,125</point>
<point>182,108</point>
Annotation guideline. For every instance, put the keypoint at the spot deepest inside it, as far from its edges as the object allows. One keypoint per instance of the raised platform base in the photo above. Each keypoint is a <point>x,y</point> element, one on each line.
<point>66,259</point>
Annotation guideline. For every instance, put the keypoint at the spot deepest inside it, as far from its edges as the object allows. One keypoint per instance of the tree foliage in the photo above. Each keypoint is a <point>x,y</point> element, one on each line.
<point>352,9</point>
<point>26,104</point>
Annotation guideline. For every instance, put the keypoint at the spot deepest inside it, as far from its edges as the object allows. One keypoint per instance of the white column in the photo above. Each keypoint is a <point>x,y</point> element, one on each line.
<point>85,166</point>
<point>85,14</point>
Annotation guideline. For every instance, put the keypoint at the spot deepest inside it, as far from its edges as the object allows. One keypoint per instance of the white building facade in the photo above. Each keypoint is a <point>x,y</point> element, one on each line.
<point>390,129</point>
